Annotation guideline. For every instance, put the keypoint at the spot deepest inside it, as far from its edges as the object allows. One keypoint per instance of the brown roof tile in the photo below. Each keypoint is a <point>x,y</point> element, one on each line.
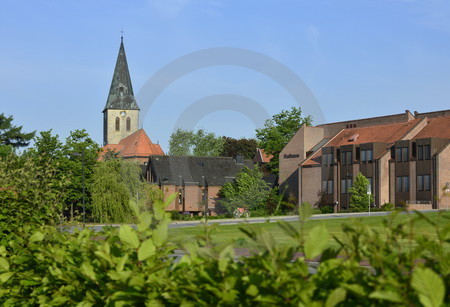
<point>436,128</point>
<point>137,144</point>
<point>381,134</point>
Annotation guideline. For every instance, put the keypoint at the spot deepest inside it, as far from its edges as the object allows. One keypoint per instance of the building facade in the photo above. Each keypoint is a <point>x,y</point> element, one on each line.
<point>195,180</point>
<point>405,158</point>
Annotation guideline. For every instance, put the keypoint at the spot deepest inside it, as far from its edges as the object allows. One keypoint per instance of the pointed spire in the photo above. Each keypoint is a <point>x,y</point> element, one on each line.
<point>121,94</point>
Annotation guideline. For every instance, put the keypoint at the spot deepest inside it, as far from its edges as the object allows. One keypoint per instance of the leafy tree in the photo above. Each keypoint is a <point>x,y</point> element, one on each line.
<point>30,193</point>
<point>13,135</point>
<point>233,147</point>
<point>189,143</point>
<point>115,183</point>
<point>248,190</point>
<point>359,199</point>
<point>181,142</point>
<point>68,158</point>
<point>278,131</point>
<point>80,157</point>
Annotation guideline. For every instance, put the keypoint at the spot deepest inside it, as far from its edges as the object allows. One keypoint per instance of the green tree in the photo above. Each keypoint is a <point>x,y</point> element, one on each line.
<point>30,193</point>
<point>278,131</point>
<point>233,147</point>
<point>248,190</point>
<point>359,199</point>
<point>189,143</point>
<point>13,135</point>
<point>80,157</point>
<point>115,183</point>
<point>78,154</point>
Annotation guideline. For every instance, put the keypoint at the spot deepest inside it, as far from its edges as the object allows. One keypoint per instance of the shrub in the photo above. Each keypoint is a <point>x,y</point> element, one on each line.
<point>133,267</point>
<point>388,207</point>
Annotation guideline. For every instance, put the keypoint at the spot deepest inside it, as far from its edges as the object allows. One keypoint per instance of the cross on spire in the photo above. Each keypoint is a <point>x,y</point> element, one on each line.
<point>121,36</point>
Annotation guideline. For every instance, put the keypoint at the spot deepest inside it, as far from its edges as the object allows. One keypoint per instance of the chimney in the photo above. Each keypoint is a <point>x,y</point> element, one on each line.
<point>239,159</point>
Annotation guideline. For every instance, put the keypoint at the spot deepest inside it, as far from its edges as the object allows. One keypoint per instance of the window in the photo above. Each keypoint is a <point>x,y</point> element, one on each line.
<point>330,187</point>
<point>180,196</point>
<point>427,152</point>
<point>343,186</point>
<point>398,154</point>
<point>349,158</point>
<point>420,152</point>
<point>420,182</point>
<point>324,186</point>
<point>330,159</point>
<point>128,124</point>
<point>117,124</point>
<point>426,182</point>
<point>369,155</point>
<point>349,183</point>
<point>343,158</point>
<point>398,184</point>
<point>405,183</point>
<point>363,156</point>
<point>405,152</point>
<point>324,159</point>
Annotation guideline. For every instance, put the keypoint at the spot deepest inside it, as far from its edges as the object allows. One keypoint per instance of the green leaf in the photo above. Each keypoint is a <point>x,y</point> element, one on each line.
<point>336,296</point>
<point>121,263</point>
<point>5,276</point>
<point>4,264</point>
<point>305,211</point>
<point>429,286</point>
<point>146,250</point>
<point>289,229</point>
<point>386,295</point>
<point>37,237</point>
<point>128,235</point>
<point>317,241</point>
<point>252,290</point>
<point>88,270</point>
<point>145,221</point>
<point>160,234</point>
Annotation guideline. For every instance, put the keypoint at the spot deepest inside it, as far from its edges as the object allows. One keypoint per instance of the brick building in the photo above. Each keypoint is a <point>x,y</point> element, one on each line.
<point>406,158</point>
<point>195,180</point>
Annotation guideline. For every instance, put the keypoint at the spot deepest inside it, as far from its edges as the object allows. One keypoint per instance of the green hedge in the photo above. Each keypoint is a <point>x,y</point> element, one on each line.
<point>43,266</point>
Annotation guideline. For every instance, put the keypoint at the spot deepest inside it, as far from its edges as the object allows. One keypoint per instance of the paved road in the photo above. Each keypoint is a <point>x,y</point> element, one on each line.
<point>254,220</point>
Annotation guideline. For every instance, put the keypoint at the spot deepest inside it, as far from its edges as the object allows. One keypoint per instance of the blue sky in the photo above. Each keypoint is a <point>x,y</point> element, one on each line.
<point>359,59</point>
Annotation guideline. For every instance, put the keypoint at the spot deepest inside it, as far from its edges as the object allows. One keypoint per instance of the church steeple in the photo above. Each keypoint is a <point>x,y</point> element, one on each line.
<point>121,94</point>
<point>121,112</point>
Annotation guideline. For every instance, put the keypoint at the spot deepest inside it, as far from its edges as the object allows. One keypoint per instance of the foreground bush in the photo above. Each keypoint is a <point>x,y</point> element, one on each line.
<point>134,267</point>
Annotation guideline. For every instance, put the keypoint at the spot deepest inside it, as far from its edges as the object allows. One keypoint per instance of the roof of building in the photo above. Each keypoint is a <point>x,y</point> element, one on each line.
<point>188,170</point>
<point>261,156</point>
<point>438,127</point>
<point>121,94</point>
<point>137,144</point>
<point>375,134</point>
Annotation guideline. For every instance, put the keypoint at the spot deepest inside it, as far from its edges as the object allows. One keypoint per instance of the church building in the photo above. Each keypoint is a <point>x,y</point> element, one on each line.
<point>121,132</point>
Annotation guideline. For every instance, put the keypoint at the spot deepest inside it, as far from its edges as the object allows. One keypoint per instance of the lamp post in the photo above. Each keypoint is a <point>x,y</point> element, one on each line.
<point>77,154</point>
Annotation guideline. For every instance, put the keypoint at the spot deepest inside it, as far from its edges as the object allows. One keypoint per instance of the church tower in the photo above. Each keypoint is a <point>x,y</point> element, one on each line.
<point>121,113</point>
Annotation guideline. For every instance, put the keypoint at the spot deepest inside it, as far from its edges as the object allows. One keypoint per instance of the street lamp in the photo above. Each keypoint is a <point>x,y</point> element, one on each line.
<point>77,154</point>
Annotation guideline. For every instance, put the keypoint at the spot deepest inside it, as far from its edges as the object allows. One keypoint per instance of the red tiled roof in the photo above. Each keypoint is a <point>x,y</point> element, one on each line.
<point>137,144</point>
<point>263,156</point>
<point>314,160</point>
<point>381,134</point>
<point>436,128</point>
